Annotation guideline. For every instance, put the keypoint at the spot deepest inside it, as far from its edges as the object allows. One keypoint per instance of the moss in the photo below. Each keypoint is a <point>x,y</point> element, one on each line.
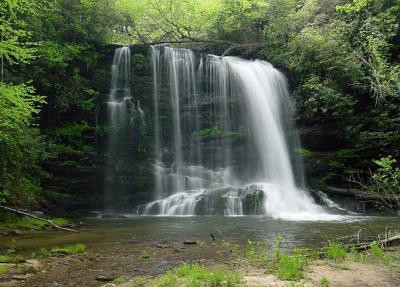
<point>207,132</point>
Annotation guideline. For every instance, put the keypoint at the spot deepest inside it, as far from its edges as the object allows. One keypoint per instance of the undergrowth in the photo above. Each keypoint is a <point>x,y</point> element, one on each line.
<point>194,275</point>
<point>336,252</point>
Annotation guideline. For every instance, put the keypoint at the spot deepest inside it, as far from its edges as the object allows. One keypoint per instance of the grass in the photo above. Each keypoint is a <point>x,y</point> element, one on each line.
<point>194,275</point>
<point>3,270</point>
<point>358,257</point>
<point>5,258</point>
<point>289,267</point>
<point>66,250</point>
<point>324,282</point>
<point>336,252</point>
<point>139,281</point>
<point>120,280</point>
<point>32,224</point>
<point>378,253</point>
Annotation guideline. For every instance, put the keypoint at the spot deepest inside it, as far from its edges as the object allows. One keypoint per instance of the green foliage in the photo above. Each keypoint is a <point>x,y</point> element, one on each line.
<point>21,146</point>
<point>194,275</point>
<point>32,224</point>
<point>207,132</point>
<point>324,282</point>
<point>145,255</point>
<point>336,252</point>
<point>139,281</point>
<point>357,256</point>
<point>11,258</point>
<point>289,267</point>
<point>355,6</point>
<point>303,152</point>
<point>3,270</point>
<point>65,250</point>
<point>322,97</point>
<point>120,280</point>
<point>386,178</point>
<point>378,253</point>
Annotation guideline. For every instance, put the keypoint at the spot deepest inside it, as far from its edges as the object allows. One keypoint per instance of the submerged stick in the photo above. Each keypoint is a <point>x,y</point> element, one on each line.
<point>36,217</point>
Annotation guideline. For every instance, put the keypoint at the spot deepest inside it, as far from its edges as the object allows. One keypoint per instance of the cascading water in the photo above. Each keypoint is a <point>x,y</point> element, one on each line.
<point>222,135</point>
<point>222,139</point>
<point>122,114</point>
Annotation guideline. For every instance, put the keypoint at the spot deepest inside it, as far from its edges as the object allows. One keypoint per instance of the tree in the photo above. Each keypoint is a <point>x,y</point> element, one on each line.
<point>20,143</point>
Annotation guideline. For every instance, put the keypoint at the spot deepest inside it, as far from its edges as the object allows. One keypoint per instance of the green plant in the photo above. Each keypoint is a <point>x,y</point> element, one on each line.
<point>207,132</point>
<point>303,152</point>
<point>70,249</point>
<point>336,252</point>
<point>119,280</point>
<point>31,223</point>
<point>289,267</point>
<point>66,250</point>
<point>139,281</point>
<point>378,253</point>
<point>145,255</point>
<point>324,282</point>
<point>251,251</point>
<point>278,245</point>
<point>6,258</point>
<point>194,275</point>
<point>3,270</point>
<point>357,256</point>
<point>386,178</point>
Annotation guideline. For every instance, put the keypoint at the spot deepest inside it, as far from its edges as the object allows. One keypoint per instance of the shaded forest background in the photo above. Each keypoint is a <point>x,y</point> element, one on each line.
<point>342,59</point>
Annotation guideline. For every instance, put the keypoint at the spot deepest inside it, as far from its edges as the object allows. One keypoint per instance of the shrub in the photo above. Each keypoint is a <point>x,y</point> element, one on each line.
<point>386,178</point>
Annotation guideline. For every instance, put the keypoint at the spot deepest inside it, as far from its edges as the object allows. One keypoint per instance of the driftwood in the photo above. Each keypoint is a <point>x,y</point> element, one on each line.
<point>36,217</point>
<point>360,242</point>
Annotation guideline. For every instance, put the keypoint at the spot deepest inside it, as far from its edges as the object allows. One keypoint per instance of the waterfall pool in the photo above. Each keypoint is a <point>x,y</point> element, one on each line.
<point>141,230</point>
<point>115,247</point>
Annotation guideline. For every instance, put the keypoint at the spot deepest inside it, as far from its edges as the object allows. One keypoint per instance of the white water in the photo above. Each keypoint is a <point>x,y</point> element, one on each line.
<point>236,160</point>
<point>265,91</point>
<point>123,114</point>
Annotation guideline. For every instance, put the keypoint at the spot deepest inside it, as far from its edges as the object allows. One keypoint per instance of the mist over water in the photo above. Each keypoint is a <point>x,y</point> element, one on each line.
<point>223,136</point>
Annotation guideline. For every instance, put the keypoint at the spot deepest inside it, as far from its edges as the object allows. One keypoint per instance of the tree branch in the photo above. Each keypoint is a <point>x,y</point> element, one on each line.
<point>36,217</point>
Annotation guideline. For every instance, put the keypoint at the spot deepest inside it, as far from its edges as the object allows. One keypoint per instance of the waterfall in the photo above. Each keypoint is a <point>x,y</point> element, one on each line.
<point>122,115</point>
<point>223,139</point>
<point>267,100</point>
